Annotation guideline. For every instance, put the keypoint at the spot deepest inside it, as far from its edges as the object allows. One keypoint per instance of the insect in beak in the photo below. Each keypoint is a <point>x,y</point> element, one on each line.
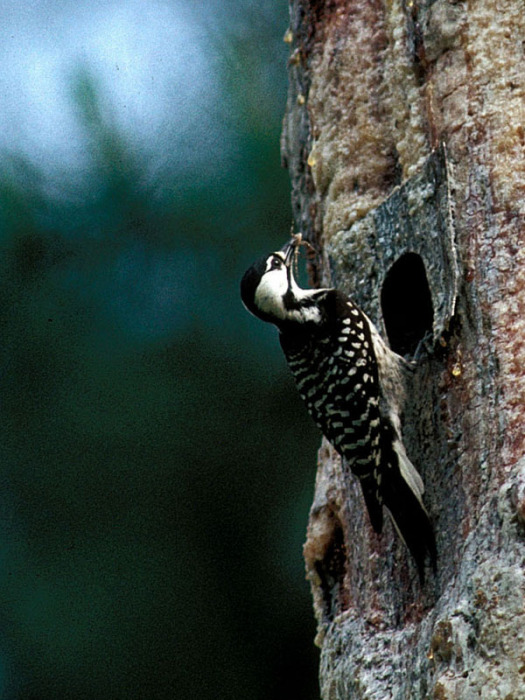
<point>289,252</point>
<point>291,248</point>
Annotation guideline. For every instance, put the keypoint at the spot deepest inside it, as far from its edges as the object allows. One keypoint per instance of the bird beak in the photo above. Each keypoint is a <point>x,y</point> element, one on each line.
<point>288,251</point>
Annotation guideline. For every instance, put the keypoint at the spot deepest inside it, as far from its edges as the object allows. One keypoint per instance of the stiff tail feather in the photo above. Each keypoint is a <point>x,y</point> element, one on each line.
<point>402,491</point>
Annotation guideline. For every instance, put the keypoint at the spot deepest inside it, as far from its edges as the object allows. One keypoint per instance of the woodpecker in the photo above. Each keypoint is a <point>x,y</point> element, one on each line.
<point>353,386</point>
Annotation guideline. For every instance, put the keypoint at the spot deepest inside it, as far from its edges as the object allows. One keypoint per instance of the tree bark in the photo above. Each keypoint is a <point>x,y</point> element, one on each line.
<point>404,136</point>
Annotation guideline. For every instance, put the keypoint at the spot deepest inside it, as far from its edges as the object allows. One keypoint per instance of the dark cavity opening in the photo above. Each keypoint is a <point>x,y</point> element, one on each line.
<point>406,303</point>
<point>331,571</point>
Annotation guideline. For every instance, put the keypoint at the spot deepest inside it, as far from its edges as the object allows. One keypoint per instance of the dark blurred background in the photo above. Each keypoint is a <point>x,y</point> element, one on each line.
<point>157,467</point>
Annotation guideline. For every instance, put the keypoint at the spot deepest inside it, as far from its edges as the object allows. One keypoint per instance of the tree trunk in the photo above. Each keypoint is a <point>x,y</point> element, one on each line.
<point>404,136</point>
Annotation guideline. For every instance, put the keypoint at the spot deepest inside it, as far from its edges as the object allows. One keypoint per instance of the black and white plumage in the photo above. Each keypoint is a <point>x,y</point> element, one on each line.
<point>353,387</point>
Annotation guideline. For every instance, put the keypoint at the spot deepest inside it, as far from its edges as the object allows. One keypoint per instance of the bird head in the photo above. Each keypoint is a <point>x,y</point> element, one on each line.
<point>270,292</point>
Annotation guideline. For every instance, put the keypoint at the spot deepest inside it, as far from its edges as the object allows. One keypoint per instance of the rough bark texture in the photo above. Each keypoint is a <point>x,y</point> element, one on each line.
<point>405,140</point>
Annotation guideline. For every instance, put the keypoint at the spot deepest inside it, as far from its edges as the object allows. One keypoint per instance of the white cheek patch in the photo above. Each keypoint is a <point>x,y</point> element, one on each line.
<point>269,294</point>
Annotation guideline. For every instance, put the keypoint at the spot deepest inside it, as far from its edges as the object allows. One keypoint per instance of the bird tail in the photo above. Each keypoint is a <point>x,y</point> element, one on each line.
<point>402,492</point>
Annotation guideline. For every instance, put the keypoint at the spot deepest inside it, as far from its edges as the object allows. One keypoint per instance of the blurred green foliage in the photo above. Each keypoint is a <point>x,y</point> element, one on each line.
<point>157,466</point>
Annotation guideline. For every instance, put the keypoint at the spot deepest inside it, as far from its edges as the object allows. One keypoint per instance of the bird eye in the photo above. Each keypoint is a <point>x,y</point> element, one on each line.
<point>276,264</point>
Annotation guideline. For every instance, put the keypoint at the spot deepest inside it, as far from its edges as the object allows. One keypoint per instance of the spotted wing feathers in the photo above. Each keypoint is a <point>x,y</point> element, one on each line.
<point>337,373</point>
